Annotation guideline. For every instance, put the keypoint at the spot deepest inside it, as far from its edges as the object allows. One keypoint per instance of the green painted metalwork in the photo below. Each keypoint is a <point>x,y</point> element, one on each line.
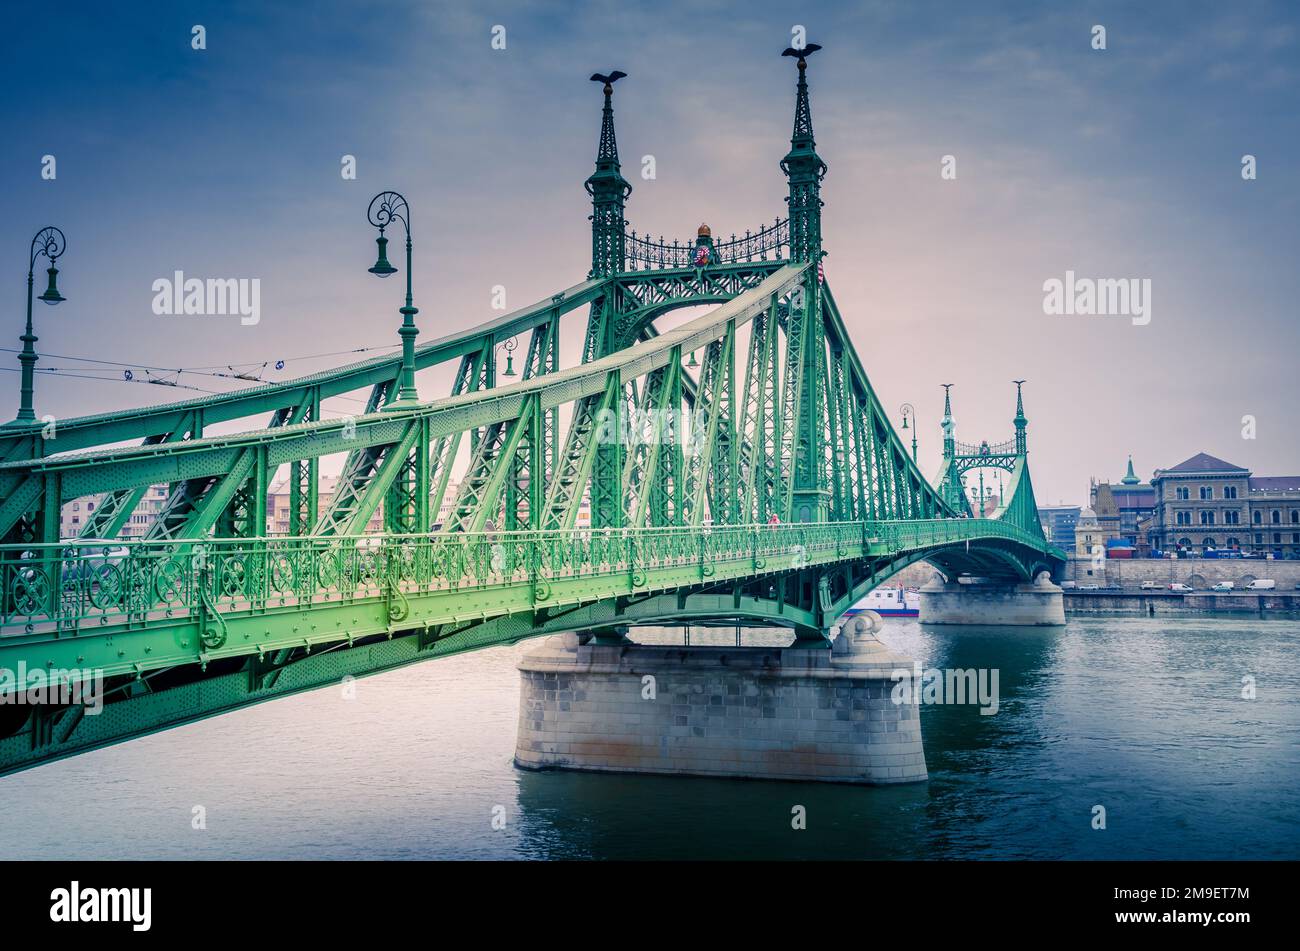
<point>739,466</point>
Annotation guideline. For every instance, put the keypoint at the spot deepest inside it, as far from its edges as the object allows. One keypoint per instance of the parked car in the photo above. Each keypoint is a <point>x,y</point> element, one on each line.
<point>1090,587</point>
<point>1179,588</point>
<point>1071,585</point>
<point>1262,584</point>
<point>1151,586</point>
<point>1222,586</point>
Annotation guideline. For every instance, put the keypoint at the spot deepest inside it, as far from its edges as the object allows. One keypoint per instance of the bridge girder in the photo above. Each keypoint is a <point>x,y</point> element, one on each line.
<point>187,624</point>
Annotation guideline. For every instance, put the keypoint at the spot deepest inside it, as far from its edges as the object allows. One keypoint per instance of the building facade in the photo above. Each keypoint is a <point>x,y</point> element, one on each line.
<point>1059,522</point>
<point>1121,507</point>
<point>1206,504</point>
<point>75,514</point>
<point>1089,540</point>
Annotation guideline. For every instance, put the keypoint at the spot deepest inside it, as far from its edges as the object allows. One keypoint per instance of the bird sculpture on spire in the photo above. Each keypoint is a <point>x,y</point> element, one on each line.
<point>609,80</point>
<point>803,52</point>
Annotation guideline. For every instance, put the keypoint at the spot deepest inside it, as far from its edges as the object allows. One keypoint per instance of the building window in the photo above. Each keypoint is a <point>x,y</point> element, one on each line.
<point>1277,517</point>
<point>1207,518</point>
<point>1232,518</point>
<point>1182,493</point>
<point>1259,539</point>
<point>1229,491</point>
<point>1234,543</point>
<point>1207,493</point>
<point>1255,517</point>
<point>1295,517</point>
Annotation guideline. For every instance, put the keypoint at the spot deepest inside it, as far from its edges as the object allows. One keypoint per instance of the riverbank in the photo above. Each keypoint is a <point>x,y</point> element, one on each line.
<point>1156,603</point>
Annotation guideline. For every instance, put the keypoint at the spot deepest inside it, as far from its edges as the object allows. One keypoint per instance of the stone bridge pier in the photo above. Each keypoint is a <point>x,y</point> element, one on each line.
<point>790,713</point>
<point>992,603</point>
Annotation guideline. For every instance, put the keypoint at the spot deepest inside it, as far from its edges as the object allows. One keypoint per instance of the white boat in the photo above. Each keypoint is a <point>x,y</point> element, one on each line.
<point>894,601</point>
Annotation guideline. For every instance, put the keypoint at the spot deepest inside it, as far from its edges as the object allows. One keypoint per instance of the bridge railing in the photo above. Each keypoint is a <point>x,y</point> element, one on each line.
<point>78,584</point>
<point>1005,448</point>
<point>644,253</point>
<point>72,586</point>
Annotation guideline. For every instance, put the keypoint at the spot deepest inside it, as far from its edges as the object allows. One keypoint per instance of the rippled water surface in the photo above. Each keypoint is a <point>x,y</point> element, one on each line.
<point>1141,716</point>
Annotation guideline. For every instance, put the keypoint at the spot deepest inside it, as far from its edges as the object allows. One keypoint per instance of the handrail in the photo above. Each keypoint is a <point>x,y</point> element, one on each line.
<point>76,583</point>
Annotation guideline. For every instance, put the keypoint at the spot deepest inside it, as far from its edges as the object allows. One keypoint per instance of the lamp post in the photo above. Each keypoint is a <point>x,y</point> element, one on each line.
<point>51,243</point>
<point>909,412</point>
<point>384,208</point>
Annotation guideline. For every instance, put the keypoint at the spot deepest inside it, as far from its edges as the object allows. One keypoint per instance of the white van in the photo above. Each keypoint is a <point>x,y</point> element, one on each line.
<point>1262,584</point>
<point>1222,586</point>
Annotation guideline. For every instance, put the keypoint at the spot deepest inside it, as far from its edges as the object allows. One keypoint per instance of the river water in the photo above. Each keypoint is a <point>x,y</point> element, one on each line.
<point>1144,717</point>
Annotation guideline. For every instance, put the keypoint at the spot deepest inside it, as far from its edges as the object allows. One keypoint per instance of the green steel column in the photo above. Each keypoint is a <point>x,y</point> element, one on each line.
<point>261,488</point>
<point>607,470</point>
<point>536,463</point>
<point>804,171</point>
<point>422,480</point>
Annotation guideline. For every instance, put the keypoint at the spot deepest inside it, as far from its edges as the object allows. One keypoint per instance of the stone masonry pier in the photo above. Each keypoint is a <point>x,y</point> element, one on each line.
<point>753,712</point>
<point>947,602</point>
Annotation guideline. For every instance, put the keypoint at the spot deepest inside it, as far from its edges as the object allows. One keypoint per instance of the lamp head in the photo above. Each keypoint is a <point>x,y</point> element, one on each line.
<point>382,268</point>
<point>52,295</point>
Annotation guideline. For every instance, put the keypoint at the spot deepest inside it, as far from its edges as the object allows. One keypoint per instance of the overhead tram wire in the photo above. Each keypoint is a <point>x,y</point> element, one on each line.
<point>54,371</point>
<point>207,370</point>
<point>212,371</point>
<point>67,373</point>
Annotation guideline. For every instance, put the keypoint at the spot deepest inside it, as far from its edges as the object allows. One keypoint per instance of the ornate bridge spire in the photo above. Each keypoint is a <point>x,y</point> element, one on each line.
<point>608,190</point>
<point>1020,420</point>
<point>804,169</point>
<point>949,441</point>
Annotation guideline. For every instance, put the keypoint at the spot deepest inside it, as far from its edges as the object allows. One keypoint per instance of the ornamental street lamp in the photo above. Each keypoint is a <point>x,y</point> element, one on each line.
<point>384,208</point>
<point>51,243</point>
<point>509,345</point>
<point>909,412</point>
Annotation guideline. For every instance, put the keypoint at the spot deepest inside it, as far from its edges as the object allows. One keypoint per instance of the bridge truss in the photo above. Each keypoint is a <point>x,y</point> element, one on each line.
<point>738,466</point>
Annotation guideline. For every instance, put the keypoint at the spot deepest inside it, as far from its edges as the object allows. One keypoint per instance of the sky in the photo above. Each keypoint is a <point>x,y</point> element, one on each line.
<point>1115,163</point>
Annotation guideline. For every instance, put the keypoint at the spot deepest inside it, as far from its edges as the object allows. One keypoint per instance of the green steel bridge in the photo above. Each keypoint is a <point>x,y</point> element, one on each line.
<point>759,482</point>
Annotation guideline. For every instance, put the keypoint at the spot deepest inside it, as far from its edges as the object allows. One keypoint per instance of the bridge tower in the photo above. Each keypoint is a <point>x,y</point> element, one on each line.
<point>1020,421</point>
<point>950,485</point>
<point>949,440</point>
<point>608,190</point>
<point>809,494</point>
